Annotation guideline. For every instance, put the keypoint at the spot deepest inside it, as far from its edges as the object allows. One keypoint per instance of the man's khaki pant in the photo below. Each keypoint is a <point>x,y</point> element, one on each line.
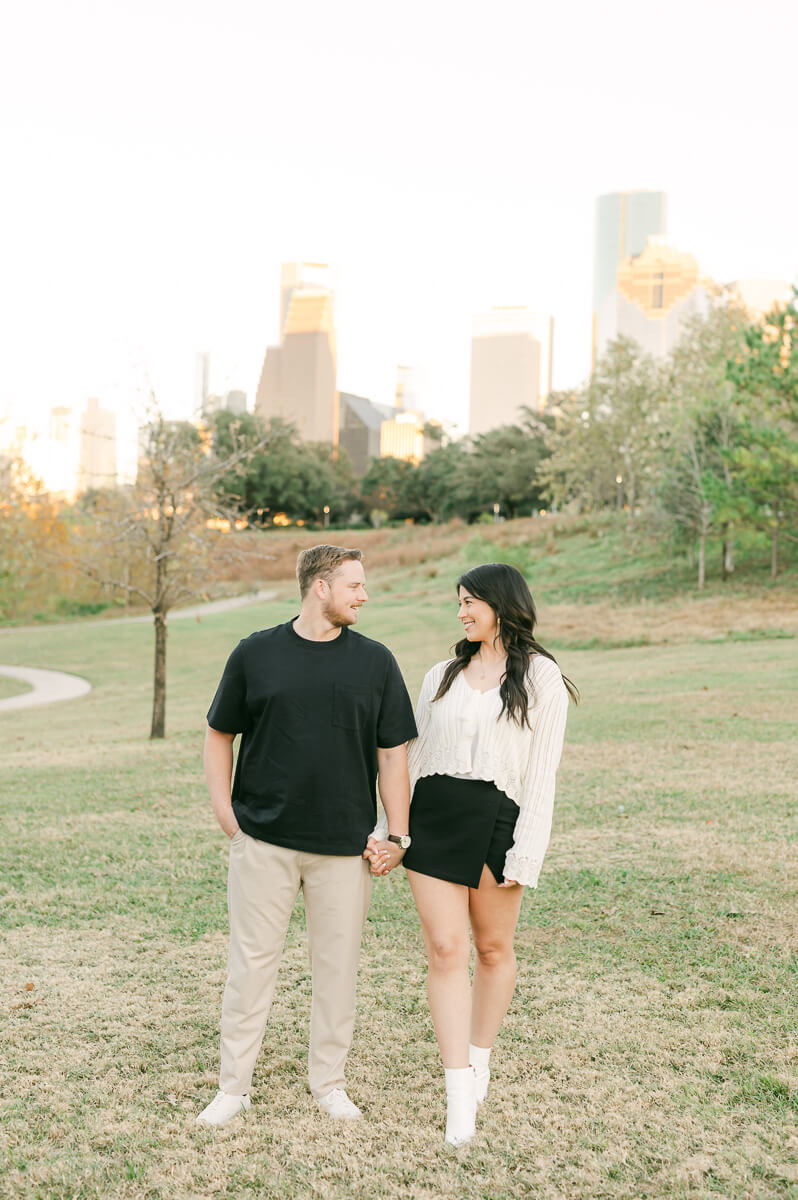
<point>263,883</point>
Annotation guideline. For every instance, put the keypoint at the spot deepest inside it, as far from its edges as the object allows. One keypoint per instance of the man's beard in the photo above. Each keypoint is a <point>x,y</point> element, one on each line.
<point>336,618</point>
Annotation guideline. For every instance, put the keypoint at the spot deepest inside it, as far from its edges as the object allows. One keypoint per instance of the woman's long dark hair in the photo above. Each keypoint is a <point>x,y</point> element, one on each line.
<point>505,590</point>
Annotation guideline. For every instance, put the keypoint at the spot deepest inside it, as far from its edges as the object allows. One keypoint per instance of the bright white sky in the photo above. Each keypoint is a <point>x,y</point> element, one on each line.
<point>162,157</point>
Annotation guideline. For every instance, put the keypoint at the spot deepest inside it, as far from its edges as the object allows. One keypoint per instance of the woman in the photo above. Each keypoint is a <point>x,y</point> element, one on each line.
<point>491,723</point>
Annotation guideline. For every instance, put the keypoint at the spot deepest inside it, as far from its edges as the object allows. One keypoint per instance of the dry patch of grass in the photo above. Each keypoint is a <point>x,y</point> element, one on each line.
<point>676,621</point>
<point>649,1050</point>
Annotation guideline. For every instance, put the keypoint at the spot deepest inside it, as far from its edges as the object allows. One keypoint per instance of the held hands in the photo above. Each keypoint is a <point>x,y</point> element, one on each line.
<point>382,856</point>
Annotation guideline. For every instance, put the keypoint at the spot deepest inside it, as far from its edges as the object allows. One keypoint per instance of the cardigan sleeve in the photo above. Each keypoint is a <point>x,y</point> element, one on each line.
<point>533,828</point>
<point>415,747</point>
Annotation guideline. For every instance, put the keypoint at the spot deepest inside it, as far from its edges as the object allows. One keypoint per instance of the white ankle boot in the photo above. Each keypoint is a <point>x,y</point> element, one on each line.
<point>479,1057</point>
<point>461,1105</point>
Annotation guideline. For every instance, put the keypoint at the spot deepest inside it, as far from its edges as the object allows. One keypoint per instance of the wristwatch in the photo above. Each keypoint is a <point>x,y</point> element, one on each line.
<point>402,839</point>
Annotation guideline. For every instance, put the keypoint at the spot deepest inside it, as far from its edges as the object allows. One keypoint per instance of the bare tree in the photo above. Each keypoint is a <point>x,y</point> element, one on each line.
<point>154,539</point>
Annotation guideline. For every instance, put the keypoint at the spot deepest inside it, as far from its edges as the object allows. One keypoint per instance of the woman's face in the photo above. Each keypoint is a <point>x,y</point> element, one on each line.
<point>477,617</point>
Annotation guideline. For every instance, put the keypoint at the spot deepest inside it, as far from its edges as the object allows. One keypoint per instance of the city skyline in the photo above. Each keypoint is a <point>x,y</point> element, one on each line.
<point>147,224</point>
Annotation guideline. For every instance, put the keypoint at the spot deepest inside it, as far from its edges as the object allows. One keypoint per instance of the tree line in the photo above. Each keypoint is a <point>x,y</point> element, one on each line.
<point>701,444</point>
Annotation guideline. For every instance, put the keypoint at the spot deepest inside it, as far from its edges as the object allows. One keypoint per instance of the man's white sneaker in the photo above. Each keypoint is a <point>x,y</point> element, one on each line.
<point>337,1104</point>
<point>223,1108</point>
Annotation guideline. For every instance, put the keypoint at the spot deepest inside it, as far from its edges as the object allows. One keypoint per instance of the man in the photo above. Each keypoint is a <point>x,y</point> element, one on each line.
<point>321,711</point>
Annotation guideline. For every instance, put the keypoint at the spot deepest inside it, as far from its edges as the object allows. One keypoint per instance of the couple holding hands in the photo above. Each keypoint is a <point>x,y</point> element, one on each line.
<point>323,712</point>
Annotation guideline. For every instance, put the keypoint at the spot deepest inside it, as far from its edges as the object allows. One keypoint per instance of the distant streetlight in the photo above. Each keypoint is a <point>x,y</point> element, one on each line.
<point>326,515</point>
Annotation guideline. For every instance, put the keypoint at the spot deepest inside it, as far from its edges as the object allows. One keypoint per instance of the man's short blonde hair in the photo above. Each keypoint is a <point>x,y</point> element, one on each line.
<point>321,562</point>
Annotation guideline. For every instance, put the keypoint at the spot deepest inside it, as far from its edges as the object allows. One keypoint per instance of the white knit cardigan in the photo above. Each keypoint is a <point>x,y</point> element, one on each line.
<point>522,762</point>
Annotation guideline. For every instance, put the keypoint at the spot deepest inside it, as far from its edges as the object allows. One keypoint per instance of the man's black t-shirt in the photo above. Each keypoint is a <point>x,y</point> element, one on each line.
<point>311,716</point>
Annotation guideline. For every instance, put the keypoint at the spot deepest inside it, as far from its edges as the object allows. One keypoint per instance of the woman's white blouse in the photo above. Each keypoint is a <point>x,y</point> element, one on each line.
<point>521,762</point>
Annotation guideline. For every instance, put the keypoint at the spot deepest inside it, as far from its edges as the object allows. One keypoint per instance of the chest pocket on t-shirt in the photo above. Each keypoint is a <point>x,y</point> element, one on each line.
<point>352,706</point>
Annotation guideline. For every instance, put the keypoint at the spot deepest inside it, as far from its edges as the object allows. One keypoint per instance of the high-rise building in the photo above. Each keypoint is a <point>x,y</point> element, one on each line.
<point>234,401</point>
<point>361,423</point>
<point>60,424</point>
<point>624,223</point>
<point>57,461</point>
<point>301,276</point>
<point>511,354</point>
<point>97,451</point>
<point>402,434</point>
<point>656,291</point>
<point>202,381</point>
<point>298,381</point>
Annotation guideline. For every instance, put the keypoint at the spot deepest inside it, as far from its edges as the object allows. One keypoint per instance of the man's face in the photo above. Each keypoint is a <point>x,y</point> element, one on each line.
<point>345,593</point>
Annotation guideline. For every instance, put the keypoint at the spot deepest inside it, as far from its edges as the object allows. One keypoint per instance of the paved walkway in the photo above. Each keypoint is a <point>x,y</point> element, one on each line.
<point>48,687</point>
<point>196,610</point>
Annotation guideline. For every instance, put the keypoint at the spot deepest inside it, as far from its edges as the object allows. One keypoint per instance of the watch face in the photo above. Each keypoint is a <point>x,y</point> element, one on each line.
<point>404,841</point>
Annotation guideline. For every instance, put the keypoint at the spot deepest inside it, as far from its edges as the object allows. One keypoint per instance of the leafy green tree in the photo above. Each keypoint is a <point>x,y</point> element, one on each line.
<point>387,487</point>
<point>285,475</point>
<point>580,470</point>
<point>630,401</point>
<point>696,491</point>
<point>506,463</point>
<point>443,485</point>
<point>764,375</point>
<point>605,442</point>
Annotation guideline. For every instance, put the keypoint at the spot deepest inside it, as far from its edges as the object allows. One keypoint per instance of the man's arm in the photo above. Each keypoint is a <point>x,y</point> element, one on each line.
<point>394,783</point>
<point>218,761</point>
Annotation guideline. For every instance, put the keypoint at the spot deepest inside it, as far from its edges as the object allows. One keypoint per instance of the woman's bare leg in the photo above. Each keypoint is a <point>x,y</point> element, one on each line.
<point>443,910</point>
<point>494,915</point>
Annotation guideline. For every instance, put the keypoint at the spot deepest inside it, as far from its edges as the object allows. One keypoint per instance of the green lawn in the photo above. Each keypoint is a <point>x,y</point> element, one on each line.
<point>12,687</point>
<point>649,1051</point>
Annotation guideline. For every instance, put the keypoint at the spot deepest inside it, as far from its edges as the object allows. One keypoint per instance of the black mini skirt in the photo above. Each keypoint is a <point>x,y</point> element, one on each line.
<point>457,826</point>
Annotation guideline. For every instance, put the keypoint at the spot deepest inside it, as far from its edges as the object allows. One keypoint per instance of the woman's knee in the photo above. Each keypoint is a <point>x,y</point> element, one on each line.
<point>493,953</point>
<point>448,953</point>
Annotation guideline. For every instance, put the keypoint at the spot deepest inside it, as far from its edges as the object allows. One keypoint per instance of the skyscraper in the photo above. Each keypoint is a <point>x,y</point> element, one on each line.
<point>624,223</point>
<point>361,423</point>
<point>511,354</point>
<point>655,292</point>
<point>201,381</point>
<point>298,380</point>
<point>97,452</point>
<point>402,434</point>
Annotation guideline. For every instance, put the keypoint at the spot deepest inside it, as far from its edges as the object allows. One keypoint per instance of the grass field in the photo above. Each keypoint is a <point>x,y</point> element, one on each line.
<point>12,687</point>
<point>650,1049</point>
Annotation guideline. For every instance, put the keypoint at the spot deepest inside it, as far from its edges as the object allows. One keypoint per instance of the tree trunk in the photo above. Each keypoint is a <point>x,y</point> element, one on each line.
<point>774,553</point>
<point>702,552</point>
<point>727,564</point>
<point>158,729</point>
